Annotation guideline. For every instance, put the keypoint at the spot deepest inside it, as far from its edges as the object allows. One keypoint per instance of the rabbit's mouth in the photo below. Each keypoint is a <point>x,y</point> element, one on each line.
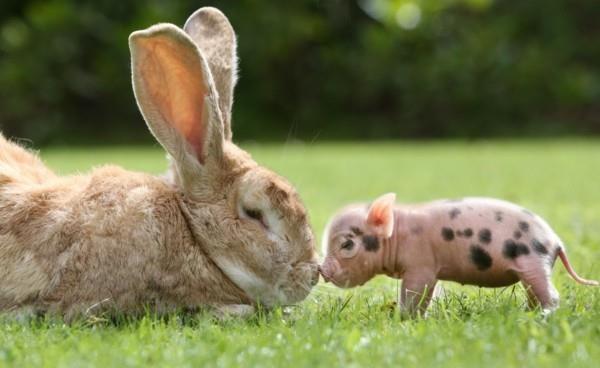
<point>299,282</point>
<point>293,284</point>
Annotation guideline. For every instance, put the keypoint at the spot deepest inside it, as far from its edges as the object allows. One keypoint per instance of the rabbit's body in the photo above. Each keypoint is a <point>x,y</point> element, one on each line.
<point>111,239</point>
<point>219,230</point>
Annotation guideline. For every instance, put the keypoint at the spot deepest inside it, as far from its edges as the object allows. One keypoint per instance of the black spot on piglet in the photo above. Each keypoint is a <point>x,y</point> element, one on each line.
<point>480,257</point>
<point>524,226</point>
<point>467,233</point>
<point>485,236</point>
<point>371,243</point>
<point>517,234</point>
<point>539,247</point>
<point>498,216</point>
<point>454,213</point>
<point>447,234</point>
<point>513,249</point>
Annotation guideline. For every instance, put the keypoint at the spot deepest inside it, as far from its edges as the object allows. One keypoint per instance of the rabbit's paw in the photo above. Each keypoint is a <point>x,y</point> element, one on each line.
<point>230,311</point>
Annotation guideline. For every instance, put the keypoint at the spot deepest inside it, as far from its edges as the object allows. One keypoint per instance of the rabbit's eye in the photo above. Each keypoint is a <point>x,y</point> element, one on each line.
<point>254,214</point>
<point>348,244</point>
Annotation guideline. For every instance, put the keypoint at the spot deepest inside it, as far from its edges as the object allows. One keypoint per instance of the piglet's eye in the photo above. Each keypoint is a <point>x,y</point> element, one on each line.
<point>348,244</point>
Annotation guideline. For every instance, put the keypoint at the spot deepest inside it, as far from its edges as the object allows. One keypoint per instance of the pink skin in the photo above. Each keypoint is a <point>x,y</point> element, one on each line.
<point>476,241</point>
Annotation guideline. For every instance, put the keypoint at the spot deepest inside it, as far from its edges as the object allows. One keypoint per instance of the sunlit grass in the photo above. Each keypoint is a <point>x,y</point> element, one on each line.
<point>467,326</point>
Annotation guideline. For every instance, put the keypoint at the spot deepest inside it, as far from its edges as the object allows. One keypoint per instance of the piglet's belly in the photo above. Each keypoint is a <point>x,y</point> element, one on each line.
<point>499,278</point>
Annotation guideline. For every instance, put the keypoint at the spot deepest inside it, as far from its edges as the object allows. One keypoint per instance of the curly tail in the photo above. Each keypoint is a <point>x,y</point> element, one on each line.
<point>571,271</point>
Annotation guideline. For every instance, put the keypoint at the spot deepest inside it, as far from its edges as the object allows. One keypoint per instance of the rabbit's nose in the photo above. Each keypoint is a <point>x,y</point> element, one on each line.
<point>315,276</point>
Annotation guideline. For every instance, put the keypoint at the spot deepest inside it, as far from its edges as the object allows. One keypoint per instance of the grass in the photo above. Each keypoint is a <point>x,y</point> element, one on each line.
<point>467,326</point>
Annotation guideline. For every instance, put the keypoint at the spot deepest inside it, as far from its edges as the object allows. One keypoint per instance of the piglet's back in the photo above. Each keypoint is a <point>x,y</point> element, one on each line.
<point>477,240</point>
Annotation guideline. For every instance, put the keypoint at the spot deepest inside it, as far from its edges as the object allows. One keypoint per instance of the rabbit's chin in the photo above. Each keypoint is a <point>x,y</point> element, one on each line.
<point>293,284</point>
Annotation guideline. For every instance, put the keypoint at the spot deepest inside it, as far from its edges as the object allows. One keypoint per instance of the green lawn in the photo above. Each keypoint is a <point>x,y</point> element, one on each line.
<point>467,327</point>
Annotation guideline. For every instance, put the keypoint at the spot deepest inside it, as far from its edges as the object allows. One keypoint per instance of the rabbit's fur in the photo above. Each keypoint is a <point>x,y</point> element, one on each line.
<point>218,231</point>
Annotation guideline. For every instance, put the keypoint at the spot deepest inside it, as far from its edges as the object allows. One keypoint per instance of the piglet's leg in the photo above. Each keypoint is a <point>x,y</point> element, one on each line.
<point>416,292</point>
<point>532,301</point>
<point>540,290</point>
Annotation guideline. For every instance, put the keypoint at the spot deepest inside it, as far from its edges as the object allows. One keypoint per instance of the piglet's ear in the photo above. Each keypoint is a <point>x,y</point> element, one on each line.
<point>381,215</point>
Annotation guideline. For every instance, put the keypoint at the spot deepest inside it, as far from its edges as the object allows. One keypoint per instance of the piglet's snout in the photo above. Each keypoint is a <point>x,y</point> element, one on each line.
<point>325,277</point>
<point>328,269</point>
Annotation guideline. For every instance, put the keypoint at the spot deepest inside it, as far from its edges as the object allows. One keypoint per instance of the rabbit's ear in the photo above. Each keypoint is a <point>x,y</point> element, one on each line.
<point>175,94</point>
<point>213,34</point>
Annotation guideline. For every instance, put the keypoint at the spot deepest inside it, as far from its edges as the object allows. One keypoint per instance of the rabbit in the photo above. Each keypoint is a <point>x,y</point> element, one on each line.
<point>219,231</point>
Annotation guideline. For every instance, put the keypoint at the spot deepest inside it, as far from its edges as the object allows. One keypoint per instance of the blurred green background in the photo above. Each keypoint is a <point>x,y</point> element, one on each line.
<point>317,69</point>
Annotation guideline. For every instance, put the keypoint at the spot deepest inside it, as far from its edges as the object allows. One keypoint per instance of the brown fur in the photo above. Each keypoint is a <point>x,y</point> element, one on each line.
<point>116,240</point>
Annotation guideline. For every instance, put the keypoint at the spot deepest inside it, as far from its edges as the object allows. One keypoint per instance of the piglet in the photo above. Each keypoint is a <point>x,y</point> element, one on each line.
<point>477,241</point>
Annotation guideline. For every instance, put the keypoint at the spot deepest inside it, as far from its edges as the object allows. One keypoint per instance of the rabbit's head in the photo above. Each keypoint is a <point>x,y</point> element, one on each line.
<point>247,219</point>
